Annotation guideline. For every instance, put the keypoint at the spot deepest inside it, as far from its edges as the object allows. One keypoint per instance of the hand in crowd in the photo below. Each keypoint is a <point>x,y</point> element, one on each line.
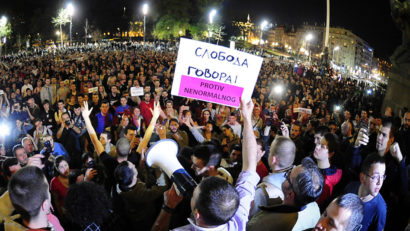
<point>362,138</point>
<point>246,109</point>
<point>171,198</point>
<point>85,111</point>
<point>157,110</point>
<point>90,174</point>
<point>284,129</point>
<point>36,161</point>
<point>396,152</point>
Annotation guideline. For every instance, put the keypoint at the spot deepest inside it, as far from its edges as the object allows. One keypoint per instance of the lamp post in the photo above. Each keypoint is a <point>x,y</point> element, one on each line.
<point>308,38</point>
<point>70,11</point>
<point>211,20</point>
<point>3,23</point>
<point>144,12</point>
<point>263,25</point>
<point>58,34</point>
<point>333,55</point>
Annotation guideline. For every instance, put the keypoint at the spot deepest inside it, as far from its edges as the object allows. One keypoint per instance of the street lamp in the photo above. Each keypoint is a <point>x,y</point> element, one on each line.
<point>308,38</point>
<point>144,12</point>
<point>263,25</point>
<point>70,11</point>
<point>211,20</point>
<point>333,55</point>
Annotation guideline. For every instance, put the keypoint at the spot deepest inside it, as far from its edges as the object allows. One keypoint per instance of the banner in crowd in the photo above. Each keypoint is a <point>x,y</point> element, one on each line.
<point>214,73</point>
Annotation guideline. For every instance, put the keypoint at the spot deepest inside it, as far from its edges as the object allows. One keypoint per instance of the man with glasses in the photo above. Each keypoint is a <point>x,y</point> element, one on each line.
<point>372,176</point>
<point>298,211</point>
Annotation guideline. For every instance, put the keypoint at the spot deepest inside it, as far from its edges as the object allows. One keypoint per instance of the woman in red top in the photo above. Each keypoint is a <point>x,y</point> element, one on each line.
<point>59,184</point>
<point>326,154</point>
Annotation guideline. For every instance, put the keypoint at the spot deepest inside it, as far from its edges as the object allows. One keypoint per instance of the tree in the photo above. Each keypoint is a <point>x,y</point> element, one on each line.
<point>169,27</point>
<point>5,31</point>
<point>217,32</point>
<point>61,19</point>
<point>96,35</point>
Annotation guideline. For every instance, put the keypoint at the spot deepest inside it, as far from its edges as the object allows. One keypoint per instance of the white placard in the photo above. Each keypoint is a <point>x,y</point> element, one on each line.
<point>137,91</point>
<point>214,73</point>
<point>302,110</point>
<point>93,90</point>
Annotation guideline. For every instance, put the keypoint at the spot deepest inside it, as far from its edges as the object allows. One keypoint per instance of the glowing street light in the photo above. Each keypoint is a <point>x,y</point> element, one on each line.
<point>144,12</point>
<point>308,38</point>
<point>3,23</point>
<point>211,20</point>
<point>263,25</point>
<point>70,12</point>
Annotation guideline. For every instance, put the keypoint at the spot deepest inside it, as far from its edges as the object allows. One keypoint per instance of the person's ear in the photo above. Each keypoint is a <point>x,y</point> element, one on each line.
<point>362,176</point>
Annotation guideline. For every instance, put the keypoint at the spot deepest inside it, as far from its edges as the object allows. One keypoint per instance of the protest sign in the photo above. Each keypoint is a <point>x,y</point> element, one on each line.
<point>214,73</point>
<point>302,110</point>
<point>93,90</point>
<point>137,91</point>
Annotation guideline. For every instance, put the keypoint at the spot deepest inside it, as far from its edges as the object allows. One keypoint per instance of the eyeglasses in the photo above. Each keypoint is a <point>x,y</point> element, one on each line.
<point>376,178</point>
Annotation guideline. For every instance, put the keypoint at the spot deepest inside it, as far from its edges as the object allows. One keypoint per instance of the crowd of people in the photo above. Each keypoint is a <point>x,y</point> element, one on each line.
<point>321,155</point>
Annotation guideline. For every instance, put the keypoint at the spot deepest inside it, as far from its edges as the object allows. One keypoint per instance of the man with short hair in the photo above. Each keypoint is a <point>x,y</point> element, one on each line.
<point>299,211</point>
<point>345,213</point>
<point>372,176</point>
<point>281,157</point>
<point>233,123</point>
<point>46,92</point>
<point>30,196</point>
<point>28,145</point>
<point>20,153</point>
<point>181,137</point>
<point>104,118</point>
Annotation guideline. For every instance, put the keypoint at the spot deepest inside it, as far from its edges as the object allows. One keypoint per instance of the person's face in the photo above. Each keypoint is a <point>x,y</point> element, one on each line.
<point>382,139</point>
<point>123,102</point>
<point>114,89</point>
<point>65,117</point>
<point>62,84</point>
<point>173,126</point>
<point>318,138</point>
<point>226,131</point>
<point>130,134</point>
<point>30,102</point>
<point>321,150</point>
<point>364,115</point>
<point>47,82</point>
<point>147,97</point>
<point>80,100</point>
<point>235,156</point>
<point>168,105</point>
<point>28,146</point>
<point>104,108</point>
<point>137,111</point>
<point>197,165</point>
<point>295,131</point>
<point>232,119</point>
<point>208,127</point>
<point>103,139</point>
<point>407,119</point>
<point>77,111</point>
<point>287,184</point>
<point>95,99</point>
<point>373,180</point>
<point>60,106</point>
<point>333,128</point>
<point>335,218</point>
<point>63,168</point>
<point>21,156</point>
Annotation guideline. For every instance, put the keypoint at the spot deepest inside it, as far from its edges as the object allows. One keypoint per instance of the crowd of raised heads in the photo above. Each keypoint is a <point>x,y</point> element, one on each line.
<point>320,155</point>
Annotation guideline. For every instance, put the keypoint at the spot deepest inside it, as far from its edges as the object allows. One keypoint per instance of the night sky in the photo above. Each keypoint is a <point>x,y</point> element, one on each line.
<point>368,19</point>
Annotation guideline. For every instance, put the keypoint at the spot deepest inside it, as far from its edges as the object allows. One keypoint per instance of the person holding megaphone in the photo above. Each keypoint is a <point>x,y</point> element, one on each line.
<point>216,204</point>
<point>133,201</point>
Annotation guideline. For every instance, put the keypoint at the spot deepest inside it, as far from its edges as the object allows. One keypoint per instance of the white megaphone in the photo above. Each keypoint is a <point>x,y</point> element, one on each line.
<point>163,155</point>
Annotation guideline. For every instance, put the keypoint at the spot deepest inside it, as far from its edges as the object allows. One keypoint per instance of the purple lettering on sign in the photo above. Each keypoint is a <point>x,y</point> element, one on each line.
<point>210,91</point>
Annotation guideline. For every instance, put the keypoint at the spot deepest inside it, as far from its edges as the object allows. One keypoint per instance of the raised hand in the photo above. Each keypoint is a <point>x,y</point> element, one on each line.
<point>246,109</point>
<point>362,138</point>
<point>85,111</point>
<point>396,152</point>
<point>285,130</point>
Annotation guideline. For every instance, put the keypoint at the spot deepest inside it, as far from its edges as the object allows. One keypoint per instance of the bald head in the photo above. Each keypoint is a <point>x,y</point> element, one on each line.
<point>283,149</point>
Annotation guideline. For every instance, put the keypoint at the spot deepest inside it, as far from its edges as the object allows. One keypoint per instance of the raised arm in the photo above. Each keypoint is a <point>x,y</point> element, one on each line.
<point>93,135</point>
<point>249,146</point>
<point>155,114</point>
